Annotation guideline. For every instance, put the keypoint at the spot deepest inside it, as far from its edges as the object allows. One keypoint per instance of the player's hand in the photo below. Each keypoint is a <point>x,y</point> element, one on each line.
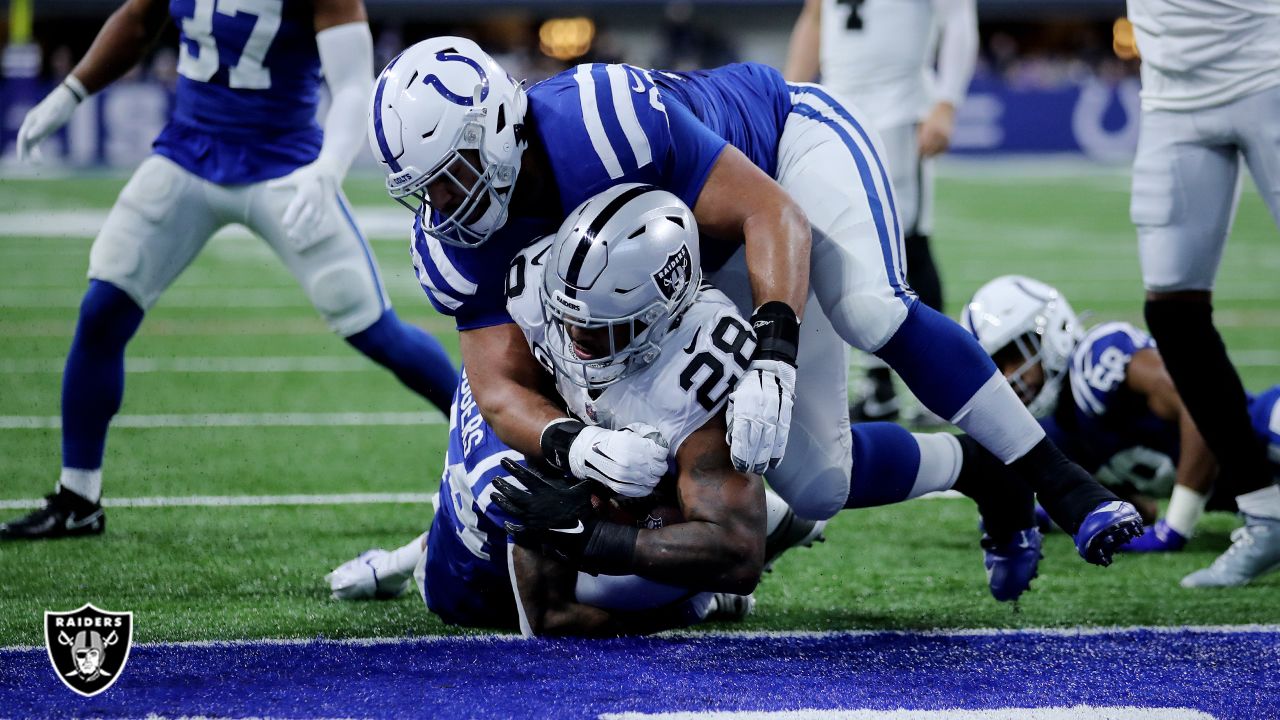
<point>933,135</point>
<point>548,510</point>
<point>629,461</point>
<point>759,415</point>
<point>315,186</point>
<point>48,117</point>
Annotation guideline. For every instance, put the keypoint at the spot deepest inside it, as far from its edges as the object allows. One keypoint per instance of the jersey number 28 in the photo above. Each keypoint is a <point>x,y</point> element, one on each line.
<point>248,73</point>
<point>707,369</point>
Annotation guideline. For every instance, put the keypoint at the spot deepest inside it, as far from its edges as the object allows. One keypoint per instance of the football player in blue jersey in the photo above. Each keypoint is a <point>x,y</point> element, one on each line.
<point>1106,399</point>
<point>796,211</point>
<point>242,146</point>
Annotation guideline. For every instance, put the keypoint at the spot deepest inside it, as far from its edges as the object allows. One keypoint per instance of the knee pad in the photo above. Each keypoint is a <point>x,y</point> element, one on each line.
<point>346,298</point>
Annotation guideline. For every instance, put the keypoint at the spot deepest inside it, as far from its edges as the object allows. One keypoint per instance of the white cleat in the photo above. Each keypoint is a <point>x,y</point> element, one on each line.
<point>727,607</point>
<point>1254,551</point>
<point>360,578</point>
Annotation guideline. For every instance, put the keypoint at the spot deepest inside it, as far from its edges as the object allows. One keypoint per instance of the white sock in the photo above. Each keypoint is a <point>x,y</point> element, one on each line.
<point>998,420</point>
<point>399,563</point>
<point>775,510</point>
<point>1185,508</point>
<point>85,483</point>
<point>940,461</point>
<point>1261,503</point>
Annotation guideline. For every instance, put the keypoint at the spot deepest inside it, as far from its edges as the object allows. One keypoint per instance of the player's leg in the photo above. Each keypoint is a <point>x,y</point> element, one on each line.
<point>831,165</point>
<point>340,275</point>
<point>377,574</point>
<point>157,226</point>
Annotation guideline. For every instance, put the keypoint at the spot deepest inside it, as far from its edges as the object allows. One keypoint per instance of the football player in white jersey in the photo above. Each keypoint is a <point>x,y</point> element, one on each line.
<point>879,54</point>
<point>1210,97</point>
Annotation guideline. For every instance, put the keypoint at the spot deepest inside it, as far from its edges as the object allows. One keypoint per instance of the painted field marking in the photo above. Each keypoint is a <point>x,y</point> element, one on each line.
<point>1077,712</point>
<point>54,422</point>
<point>240,500</point>
<point>81,224</point>
<point>266,364</point>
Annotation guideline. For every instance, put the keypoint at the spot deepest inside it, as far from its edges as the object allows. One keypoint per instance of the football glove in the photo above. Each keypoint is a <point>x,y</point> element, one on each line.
<point>758,414</point>
<point>49,116</point>
<point>314,187</point>
<point>555,515</point>
<point>629,461</point>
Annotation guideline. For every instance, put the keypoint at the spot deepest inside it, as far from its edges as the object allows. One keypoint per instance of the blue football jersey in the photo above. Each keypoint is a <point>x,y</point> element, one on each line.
<point>1264,411</point>
<point>1097,416</point>
<point>248,87</point>
<point>603,125</point>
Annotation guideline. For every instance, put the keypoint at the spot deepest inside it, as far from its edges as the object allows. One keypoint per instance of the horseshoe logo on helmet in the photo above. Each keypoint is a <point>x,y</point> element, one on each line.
<point>465,100</point>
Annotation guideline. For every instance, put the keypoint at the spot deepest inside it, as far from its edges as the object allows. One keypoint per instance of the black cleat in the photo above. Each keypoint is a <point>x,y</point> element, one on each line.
<point>64,514</point>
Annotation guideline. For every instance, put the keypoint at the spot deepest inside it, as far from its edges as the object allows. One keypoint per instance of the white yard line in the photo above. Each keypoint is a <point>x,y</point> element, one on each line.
<point>1074,712</point>
<point>239,500</point>
<point>53,422</point>
<point>389,222</point>
<point>266,364</point>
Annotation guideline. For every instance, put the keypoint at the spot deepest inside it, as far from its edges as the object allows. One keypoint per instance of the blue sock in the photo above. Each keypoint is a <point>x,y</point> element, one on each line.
<point>886,460</point>
<point>940,361</point>
<point>93,381</point>
<point>415,357</point>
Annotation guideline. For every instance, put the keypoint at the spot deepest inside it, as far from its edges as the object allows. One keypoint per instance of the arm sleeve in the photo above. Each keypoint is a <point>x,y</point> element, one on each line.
<point>957,49</point>
<point>346,56</point>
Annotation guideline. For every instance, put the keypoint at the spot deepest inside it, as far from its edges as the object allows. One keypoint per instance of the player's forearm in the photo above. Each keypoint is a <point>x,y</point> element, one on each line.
<point>701,556</point>
<point>518,414</point>
<point>123,40</point>
<point>1197,467</point>
<point>802,53</point>
<point>778,242</point>
<point>957,51</point>
<point>346,55</point>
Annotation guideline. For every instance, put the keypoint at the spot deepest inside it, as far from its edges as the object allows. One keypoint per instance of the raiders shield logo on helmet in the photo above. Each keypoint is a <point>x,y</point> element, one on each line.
<point>88,647</point>
<point>675,273</point>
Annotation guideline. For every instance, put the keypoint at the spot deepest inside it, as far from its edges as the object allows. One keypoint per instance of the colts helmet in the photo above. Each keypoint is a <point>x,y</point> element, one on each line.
<point>625,264</point>
<point>1018,314</point>
<point>436,99</point>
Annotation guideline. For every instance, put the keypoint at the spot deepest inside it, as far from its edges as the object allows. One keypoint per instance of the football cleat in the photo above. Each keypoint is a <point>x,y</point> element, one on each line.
<point>1159,538</point>
<point>727,607</point>
<point>1254,551</point>
<point>65,514</point>
<point>359,579</point>
<point>1107,527</point>
<point>1011,566</point>
<point>793,531</point>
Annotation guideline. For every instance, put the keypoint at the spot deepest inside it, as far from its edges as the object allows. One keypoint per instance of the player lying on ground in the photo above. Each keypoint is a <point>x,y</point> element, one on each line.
<point>783,178</point>
<point>639,356</point>
<point>242,146</point>
<point>1105,397</point>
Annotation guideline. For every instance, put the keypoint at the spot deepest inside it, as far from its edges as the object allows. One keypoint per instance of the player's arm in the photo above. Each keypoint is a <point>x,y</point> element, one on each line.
<point>546,586</point>
<point>806,36</point>
<point>345,46</point>
<point>124,39</point>
<point>957,55</point>
<point>1148,377</point>
<point>505,381</point>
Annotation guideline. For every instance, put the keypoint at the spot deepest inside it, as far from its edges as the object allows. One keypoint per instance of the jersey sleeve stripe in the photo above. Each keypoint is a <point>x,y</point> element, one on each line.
<point>594,123</point>
<point>442,302</point>
<point>457,284</point>
<point>487,469</point>
<point>623,105</point>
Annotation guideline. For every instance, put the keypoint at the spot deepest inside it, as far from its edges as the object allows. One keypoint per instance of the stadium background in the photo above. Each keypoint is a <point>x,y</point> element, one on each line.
<point>255,451</point>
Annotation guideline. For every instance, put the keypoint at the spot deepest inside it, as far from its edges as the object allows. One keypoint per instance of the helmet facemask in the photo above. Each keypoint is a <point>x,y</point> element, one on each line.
<point>620,346</point>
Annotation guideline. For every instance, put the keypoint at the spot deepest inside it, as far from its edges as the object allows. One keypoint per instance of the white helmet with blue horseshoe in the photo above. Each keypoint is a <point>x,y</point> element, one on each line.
<point>432,104</point>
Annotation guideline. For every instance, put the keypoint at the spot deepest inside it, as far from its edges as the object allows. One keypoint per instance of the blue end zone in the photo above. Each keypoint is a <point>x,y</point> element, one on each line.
<point>1225,673</point>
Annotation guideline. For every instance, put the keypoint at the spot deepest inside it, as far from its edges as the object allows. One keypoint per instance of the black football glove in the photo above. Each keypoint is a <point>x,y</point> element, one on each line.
<point>554,514</point>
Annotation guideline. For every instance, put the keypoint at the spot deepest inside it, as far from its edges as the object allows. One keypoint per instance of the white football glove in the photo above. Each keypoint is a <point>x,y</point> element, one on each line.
<point>48,117</point>
<point>315,188</point>
<point>759,415</point>
<point>629,461</point>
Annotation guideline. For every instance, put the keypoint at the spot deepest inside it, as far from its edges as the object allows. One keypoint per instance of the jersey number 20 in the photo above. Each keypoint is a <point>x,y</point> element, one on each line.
<point>248,73</point>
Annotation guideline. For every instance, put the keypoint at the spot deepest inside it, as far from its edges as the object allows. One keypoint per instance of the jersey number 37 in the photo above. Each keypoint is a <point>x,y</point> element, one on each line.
<point>248,73</point>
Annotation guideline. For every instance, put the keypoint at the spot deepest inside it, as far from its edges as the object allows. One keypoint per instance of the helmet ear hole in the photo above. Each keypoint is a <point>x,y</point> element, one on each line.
<point>501,119</point>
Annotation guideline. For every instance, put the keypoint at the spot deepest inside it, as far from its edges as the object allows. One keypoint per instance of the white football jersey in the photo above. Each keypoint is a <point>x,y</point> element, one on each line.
<point>878,53</point>
<point>687,385</point>
<point>1201,53</point>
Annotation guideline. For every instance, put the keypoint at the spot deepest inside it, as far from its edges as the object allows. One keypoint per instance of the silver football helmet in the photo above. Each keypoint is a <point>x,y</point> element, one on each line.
<point>1016,314</point>
<point>622,268</point>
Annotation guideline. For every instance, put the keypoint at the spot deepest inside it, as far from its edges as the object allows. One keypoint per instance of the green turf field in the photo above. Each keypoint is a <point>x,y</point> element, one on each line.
<point>210,572</point>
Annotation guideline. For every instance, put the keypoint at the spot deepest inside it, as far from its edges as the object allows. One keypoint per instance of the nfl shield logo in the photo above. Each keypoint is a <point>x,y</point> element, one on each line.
<point>88,647</point>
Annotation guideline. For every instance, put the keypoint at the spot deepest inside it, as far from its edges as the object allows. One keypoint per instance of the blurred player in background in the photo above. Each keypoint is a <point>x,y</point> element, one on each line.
<point>243,146</point>
<point>879,54</point>
<point>1210,95</point>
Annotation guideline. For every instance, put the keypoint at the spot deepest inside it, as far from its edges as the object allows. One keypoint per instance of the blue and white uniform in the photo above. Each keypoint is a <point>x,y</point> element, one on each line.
<point>244,114</point>
<point>1097,417</point>
<point>466,579</point>
<point>607,124</point>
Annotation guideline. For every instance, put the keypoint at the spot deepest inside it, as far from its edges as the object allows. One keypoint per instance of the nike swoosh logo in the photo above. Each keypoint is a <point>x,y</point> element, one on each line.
<point>693,342</point>
<point>571,531</point>
<point>537,259</point>
<point>86,520</point>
